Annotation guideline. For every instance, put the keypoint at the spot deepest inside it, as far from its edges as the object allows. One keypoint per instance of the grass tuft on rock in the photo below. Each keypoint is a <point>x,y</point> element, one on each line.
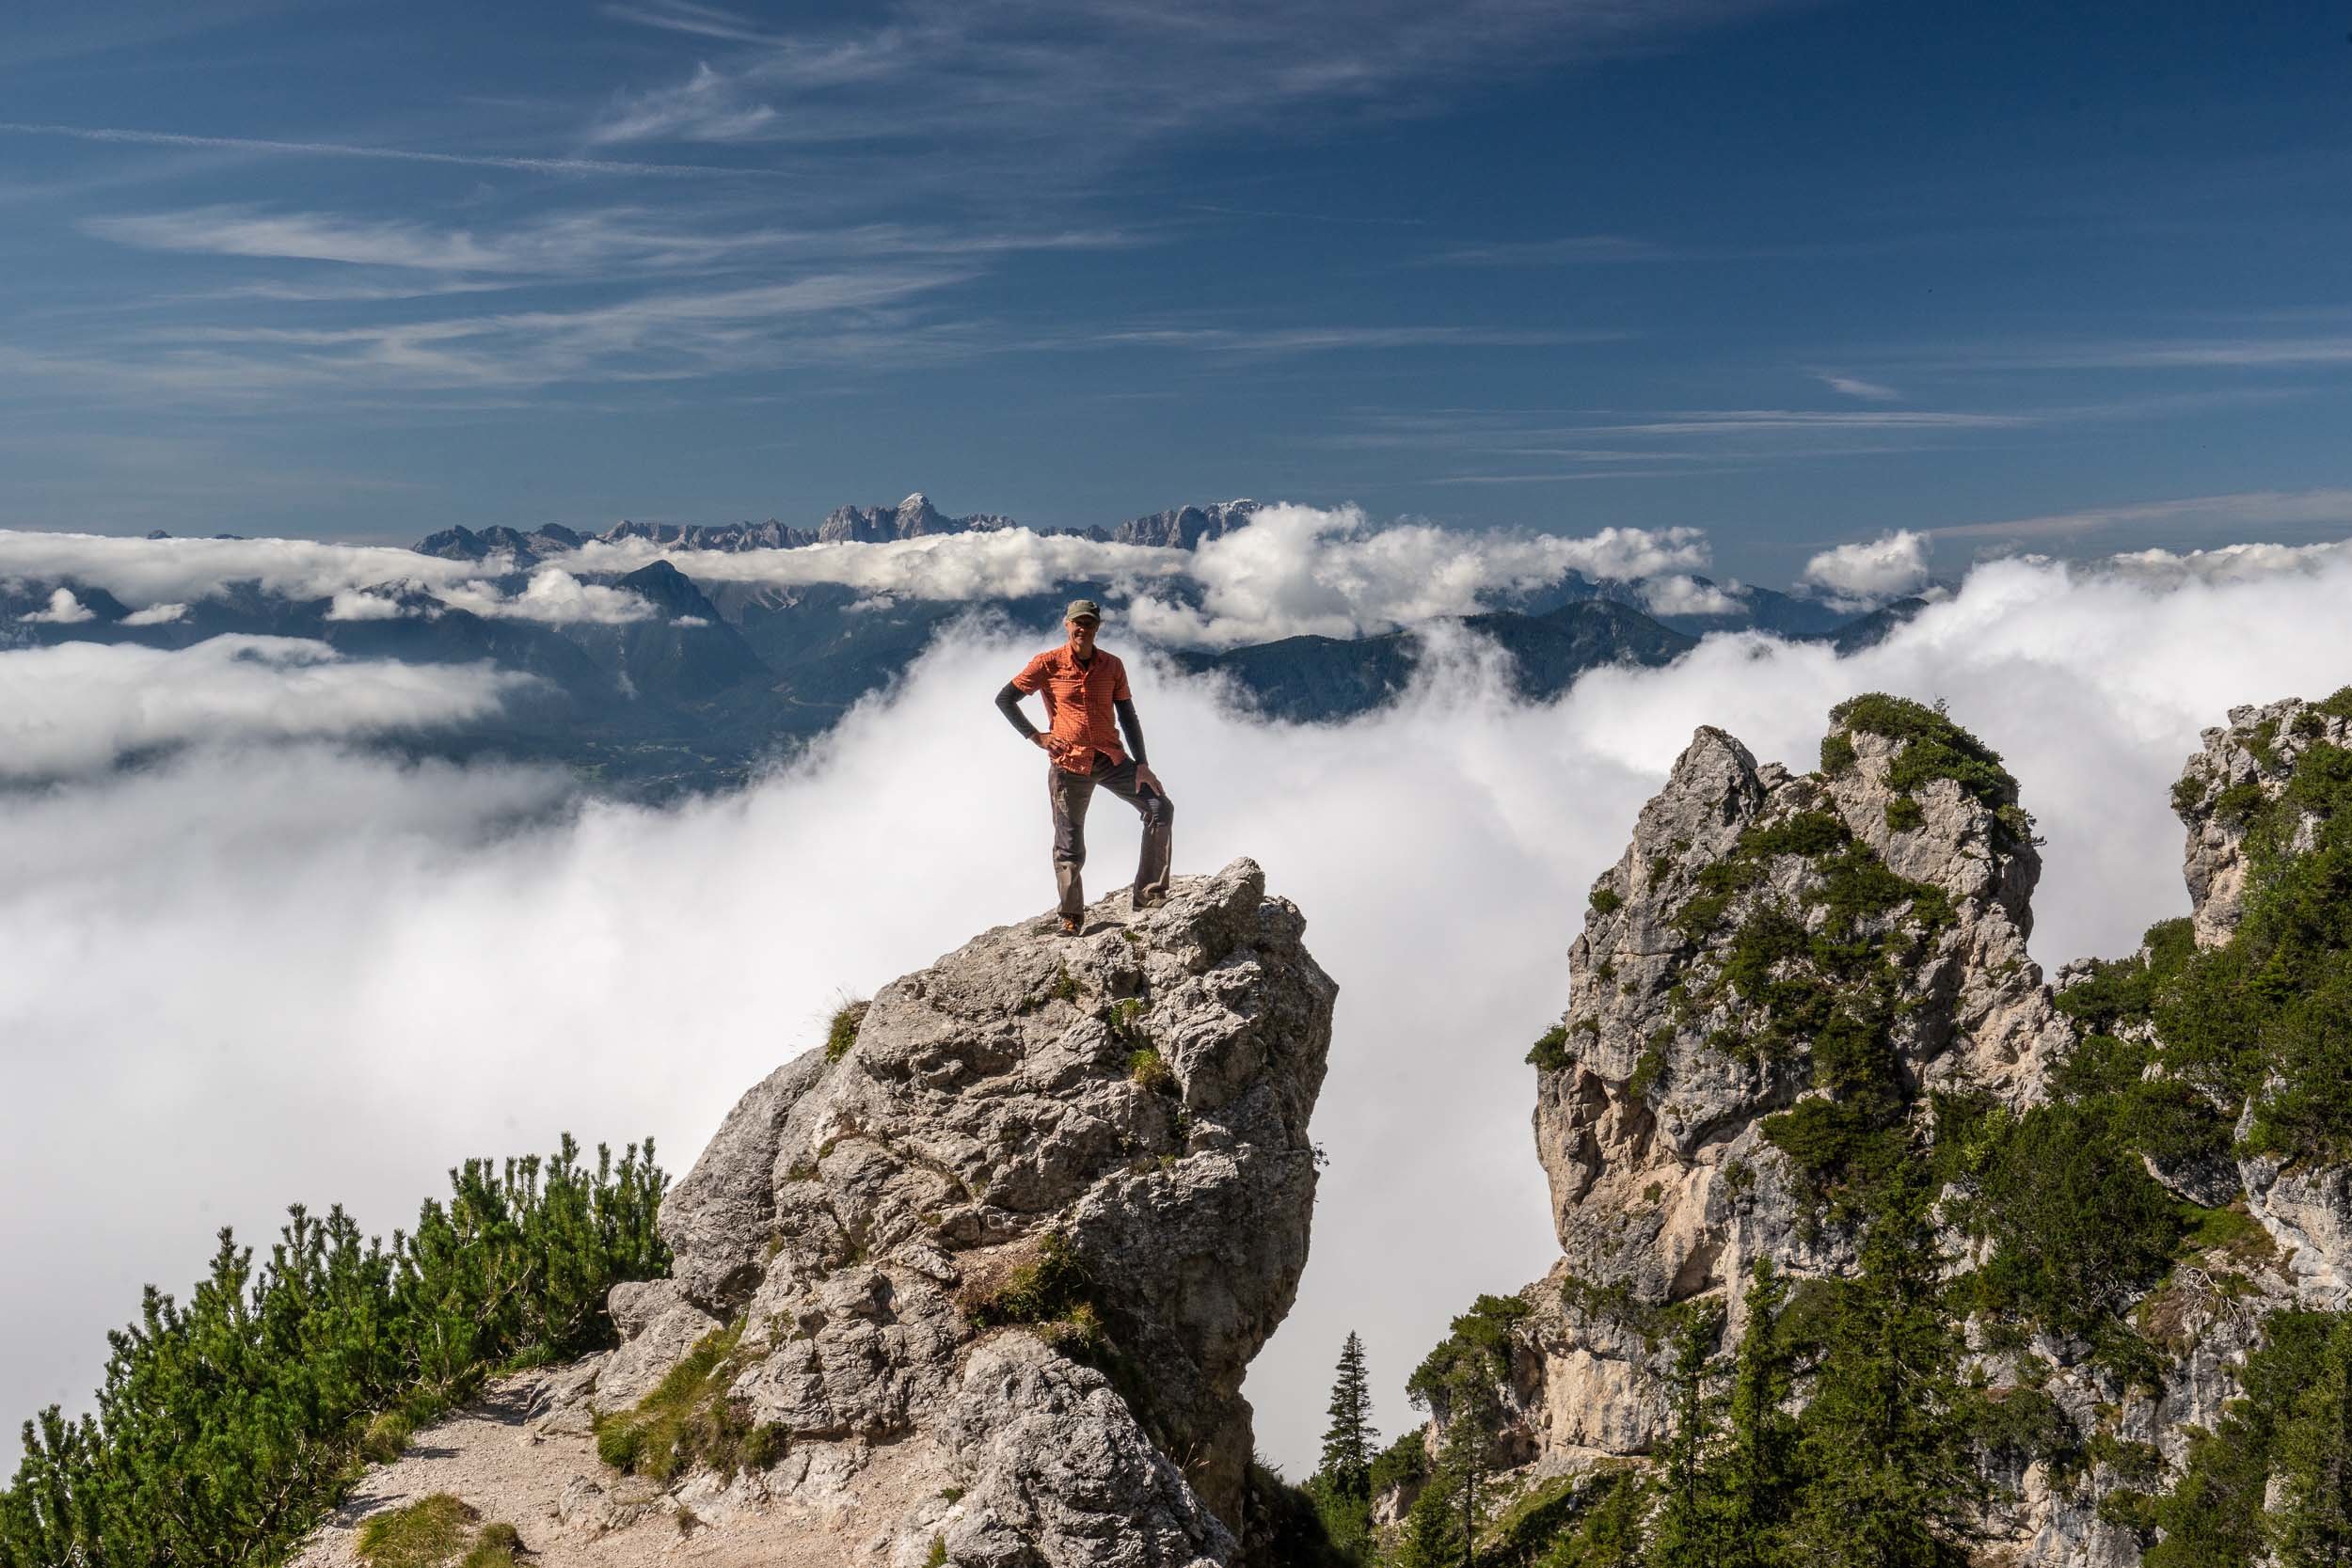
<point>498,1546</point>
<point>428,1534</point>
<point>386,1437</point>
<point>690,1420</point>
<point>1049,1287</point>
<point>841,1032</point>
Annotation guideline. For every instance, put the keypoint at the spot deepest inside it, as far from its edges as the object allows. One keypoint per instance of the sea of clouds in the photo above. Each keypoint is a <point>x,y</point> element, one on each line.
<point>1295,570</point>
<point>274,966</point>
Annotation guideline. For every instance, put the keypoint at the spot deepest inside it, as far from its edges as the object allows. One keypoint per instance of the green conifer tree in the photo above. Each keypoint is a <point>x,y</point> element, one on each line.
<point>1442,1528</point>
<point>1754,1473</point>
<point>1349,1440</point>
<point>1890,1479</point>
<point>2312,1526</point>
<point>1342,1488</point>
<point>1683,1534</point>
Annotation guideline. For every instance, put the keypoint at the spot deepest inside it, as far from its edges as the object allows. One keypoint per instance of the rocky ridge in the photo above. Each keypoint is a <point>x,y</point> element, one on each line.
<point>1695,1101</point>
<point>984,1275</point>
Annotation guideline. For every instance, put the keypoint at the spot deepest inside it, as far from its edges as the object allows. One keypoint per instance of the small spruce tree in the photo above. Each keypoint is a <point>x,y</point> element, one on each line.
<point>1342,1488</point>
<point>1753,1475</point>
<point>1683,1535</point>
<point>1890,1481</point>
<point>2313,1523</point>
<point>1349,1440</point>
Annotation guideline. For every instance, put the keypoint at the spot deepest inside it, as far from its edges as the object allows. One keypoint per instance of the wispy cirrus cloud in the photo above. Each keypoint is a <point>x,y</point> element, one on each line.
<point>706,107</point>
<point>823,318</point>
<point>1320,340</point>
<point>592,242</point>
<point>1854,386</point>
<point>128,136</point>
<point>2186,517</point>
<point>1571,250</point>
<point>1082,79</point>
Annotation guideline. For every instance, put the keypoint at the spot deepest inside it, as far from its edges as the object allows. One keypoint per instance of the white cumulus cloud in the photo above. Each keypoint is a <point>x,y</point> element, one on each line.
<point>357,604</point>
<point>1684,595</point>
<point>1864,574</point>
<point>64,610</point>
<point>553,595</point>
<point>1299,570</point>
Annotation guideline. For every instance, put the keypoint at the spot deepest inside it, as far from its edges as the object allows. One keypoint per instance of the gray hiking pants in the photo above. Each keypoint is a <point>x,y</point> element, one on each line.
<point>1071,793</point>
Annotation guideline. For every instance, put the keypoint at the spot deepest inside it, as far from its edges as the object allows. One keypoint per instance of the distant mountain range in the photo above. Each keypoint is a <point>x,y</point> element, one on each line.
<point>716,676</point>
<point>916,517</point>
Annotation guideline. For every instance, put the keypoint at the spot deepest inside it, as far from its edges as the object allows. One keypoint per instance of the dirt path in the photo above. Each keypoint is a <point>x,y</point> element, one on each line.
<point>523,1454</point>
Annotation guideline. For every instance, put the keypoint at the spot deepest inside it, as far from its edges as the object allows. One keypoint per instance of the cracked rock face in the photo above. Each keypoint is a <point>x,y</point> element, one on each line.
<point>1649,1127</point>
<point>1133,1099</point>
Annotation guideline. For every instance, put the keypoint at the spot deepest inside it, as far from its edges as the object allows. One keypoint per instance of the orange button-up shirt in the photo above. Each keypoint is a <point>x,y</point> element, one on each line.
<point>1078,699</point>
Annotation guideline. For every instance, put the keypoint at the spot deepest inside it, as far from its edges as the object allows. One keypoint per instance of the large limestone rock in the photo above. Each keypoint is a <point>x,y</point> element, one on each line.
<point>990,1269</point>
<point>1132,1102</point>
<point>1649,1124</point>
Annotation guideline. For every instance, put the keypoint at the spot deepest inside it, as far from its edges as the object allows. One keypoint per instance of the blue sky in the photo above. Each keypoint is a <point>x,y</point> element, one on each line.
<point>2071,278</point>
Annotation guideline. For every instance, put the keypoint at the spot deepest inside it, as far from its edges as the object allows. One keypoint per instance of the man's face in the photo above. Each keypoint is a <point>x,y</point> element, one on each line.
<point>1082,635</point>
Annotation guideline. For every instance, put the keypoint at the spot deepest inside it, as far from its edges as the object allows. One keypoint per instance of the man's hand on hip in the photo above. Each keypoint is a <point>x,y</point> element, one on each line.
<point>1044,741</point>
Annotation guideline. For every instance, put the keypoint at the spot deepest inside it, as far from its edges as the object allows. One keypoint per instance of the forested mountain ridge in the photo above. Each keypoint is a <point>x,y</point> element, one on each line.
<point>1876,1248</point>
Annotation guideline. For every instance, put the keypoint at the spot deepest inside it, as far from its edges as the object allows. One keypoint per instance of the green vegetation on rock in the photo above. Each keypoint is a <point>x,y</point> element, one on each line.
<point>690,1421</point>
<point>226,1427</point>
<point>841,1029</point>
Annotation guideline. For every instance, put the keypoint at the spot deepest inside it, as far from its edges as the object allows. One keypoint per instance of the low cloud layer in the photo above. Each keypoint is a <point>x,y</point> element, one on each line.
<point>290,972</point>
<point>1295,570</point>
<point>80,707</point>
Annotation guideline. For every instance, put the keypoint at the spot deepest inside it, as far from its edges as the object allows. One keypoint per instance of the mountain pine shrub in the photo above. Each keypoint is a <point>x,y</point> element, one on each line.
<point>226,1427</point>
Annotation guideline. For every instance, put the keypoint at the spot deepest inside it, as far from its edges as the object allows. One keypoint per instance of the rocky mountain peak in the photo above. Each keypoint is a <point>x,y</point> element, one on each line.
<point>1767,979</point>
<point>2242,767</point>
<point>1712,948</point>
<point>1025,1220</point>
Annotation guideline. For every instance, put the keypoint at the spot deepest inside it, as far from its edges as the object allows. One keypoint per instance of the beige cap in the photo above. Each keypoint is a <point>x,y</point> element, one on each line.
<point>1082,609</point>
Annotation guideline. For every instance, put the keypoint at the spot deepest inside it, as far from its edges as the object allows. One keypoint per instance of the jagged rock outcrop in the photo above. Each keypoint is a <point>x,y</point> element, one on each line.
<point>1684,1033</point>
<point>1766,938</point>
<point>1184,527</point>
<point>1008,1246</point>
<point>911,519</point>
<point>2242,767</point>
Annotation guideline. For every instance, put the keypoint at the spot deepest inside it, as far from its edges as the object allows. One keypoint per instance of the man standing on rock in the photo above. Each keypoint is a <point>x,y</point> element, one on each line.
<point>1083,686</point>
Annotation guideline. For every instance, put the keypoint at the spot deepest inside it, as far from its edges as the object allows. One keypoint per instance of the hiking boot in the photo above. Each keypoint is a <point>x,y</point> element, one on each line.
<point>1139,903</point>
<point>1070,925</point>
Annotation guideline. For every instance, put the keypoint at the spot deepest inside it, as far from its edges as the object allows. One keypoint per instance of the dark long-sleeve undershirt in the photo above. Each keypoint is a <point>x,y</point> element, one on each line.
<point>1009,704</point>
